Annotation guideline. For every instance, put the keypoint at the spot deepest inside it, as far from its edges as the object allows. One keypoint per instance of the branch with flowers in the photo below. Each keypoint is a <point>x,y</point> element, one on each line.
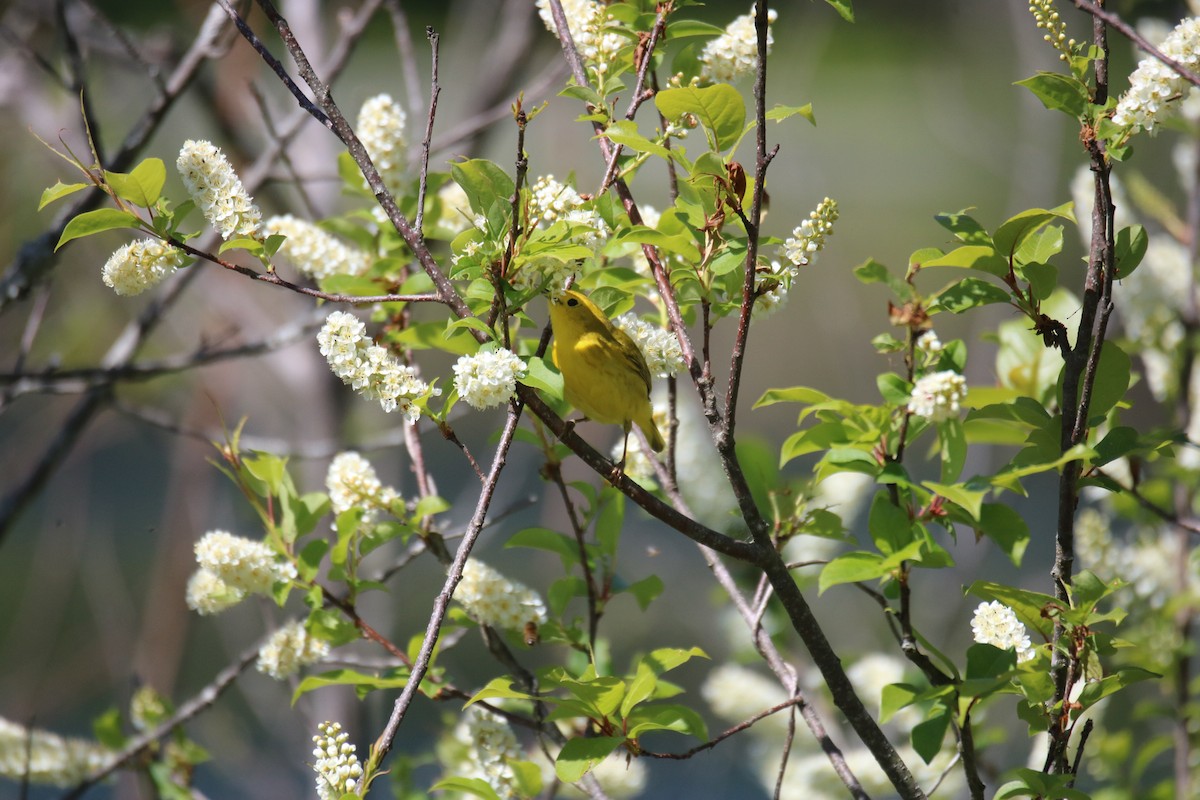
<point>434,287</point>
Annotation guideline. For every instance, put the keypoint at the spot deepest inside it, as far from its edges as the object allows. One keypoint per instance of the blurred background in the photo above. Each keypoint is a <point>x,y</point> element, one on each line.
<point>916,114</point>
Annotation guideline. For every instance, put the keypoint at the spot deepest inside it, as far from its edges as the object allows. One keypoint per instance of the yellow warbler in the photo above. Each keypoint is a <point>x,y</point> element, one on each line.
<point>604,373</point>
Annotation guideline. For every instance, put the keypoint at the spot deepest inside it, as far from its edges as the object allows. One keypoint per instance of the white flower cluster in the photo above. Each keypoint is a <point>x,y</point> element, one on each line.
<point>1154,87</point>
<point>996,624</point>
<point>492,599</point>
<point>380,127</point>
<point>929,344</point>
<point>137,266</point>
<point>491,747</point>
<point>735,52</point>
<point>808,238</point>
<point>231,568</point>
<point>336,764</point>
<point>488,378</point>
<point>352,483</point>
<point>217,190</point>
<point>798,250</point>
<point>45,758</point>
<point>938,396</point>
<point>586,20</point>
<point>1047,18</point>
<point>315,252</point>
<point>551,201</point>
<point>660,347</point>
<point>290,648</point>
<point>369,368</point>
<point>772,299</point>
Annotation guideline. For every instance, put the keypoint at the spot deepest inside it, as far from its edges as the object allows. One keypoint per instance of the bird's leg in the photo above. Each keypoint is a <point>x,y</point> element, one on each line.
<point>618,470</point>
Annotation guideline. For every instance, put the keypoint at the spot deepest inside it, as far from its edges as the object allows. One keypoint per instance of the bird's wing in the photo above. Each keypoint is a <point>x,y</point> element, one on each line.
<point>633,354</point>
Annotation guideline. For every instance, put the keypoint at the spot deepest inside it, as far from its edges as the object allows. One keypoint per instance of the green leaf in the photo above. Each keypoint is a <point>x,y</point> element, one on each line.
<point>476,787</point>
<point>500,689</point>
<point>1059,93</point>
<point>363,683</point>
<point>429,505</point>
<point>845,8</point>
<point>640,688</point>
<point>58,191</point>
<point>1131,246</point>
<point>964,227</point>
<point>646,590</point>
<point>268,468</point>
<point>895,697</point>
<point>1041,246</point>
<point>1095,691</point>
<point>893,388</point>
<point>1011,235</point>
<point>1116,443</point>
<point>1031,783</point>
<point>484,182</point>
<point>579,756</point>
<point>986,661</point>
<point>678,29</point>
<point>310,558</point>
<point>666,659</point>
<point>142,186</point>
<point>794,394</point>
<point>971,500</point>
<point>1008,529</point>
<point>780,113</point>
<point>851,568</point>
<point>545,539</point>
<point>625,132</point>
<point>871,271</point>
<point>1112,379</point>
<point>966,294</point>
<point>610,522</point>
<point>977,257</point>
<point>890,527</point>
<point>1043,279</point>
<point>952,443</point>
<point>98,221</point>
<point>541,377</point>
<point>665,717</point>
<point>927,736</point>
<point>719,108</point>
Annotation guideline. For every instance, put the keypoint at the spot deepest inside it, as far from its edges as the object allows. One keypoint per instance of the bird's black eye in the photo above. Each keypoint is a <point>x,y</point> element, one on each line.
<point>572,302</point>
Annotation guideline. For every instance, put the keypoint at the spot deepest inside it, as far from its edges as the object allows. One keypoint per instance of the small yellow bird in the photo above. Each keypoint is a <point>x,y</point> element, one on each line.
<point>604,373</point>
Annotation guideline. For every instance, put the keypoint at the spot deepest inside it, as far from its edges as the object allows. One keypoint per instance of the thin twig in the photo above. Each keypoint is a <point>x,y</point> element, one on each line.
<point>188,710</point>
<point>791,702</point>
<point>74,381</point>
<point>441,603</point>
<point>434,91</point>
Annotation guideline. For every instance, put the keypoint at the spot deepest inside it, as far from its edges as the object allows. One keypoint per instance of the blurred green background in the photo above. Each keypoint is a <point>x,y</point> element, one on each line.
<point>916,114</point>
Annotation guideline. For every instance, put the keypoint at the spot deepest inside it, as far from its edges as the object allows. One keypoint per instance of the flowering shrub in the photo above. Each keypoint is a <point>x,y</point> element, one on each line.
<point>436,271</point>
